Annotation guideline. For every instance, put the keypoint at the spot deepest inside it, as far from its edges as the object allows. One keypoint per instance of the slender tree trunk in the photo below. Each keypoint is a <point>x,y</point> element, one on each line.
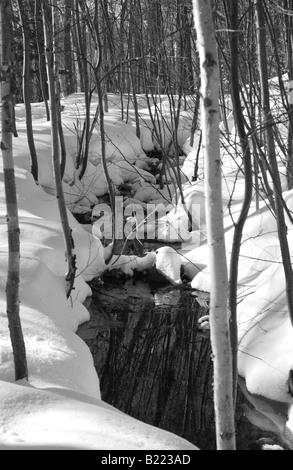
<point>40,59</point>
<point>288,6</point>
<point>132,65</point>
<point>238,228</point>
<point>12,285</point>
<point>82,158</point>
<point>70,257</point>
<point>270,146</point>
<point>97,71</point>
<point>79,33</point>
<point>27,88</point>
<point>220,339</point>
<point>57,87</point>
<point>69,82</point>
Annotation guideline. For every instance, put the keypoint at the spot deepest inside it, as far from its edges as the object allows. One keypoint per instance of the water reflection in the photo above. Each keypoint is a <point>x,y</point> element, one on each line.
<point>152,362</point>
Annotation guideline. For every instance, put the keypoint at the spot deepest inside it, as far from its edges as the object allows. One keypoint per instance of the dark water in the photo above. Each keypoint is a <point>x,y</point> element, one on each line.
<point>152,361</point>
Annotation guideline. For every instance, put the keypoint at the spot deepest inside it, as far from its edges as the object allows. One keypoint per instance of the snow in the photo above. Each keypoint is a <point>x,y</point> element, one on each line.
<point>265,333</point>
<point>61,405</point>
<point>66,419</point>
<point>128,263</point>
<point>168,263</point>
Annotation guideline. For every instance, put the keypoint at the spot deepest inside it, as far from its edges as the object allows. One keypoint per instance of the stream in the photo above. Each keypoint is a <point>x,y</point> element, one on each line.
<point>152,360</point>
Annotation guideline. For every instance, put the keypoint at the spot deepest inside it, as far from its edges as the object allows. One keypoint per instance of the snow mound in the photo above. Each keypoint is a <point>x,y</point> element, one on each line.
<point>168,263</point>
<point>60,419</point>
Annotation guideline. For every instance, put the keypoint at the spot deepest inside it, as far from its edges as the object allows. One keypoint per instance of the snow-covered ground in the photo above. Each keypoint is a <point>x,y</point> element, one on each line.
<point>61,406</point>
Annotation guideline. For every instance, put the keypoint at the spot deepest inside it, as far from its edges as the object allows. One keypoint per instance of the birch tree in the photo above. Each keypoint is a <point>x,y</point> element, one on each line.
<point>219,322</point>
<point>12,284</point>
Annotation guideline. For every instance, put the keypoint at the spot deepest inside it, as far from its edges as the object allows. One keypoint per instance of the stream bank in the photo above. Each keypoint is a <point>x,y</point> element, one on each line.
<point>152,360</point>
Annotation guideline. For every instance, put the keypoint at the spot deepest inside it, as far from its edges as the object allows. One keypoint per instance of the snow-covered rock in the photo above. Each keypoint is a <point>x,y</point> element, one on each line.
<point>130,263</point>
<point>168,263</point>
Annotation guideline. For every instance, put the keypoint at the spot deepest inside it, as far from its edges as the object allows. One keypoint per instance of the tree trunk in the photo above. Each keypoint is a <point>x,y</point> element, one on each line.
<point>270,147</point>
<point>70,257</point>
<point>41,63</point>
<point>288,6</point>
<point>77,34</point>
<point>84,141</point>
<point>238,228</point>
<point>220,339</point>
<point>12,285</point>
<point>97,71</point>
<point>27,88</point>
<point>57,87</point>
<point>69,80</point>
<point>133,75</point>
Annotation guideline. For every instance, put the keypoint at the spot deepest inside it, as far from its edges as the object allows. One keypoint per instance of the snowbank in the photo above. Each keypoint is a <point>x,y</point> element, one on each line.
<point>60,407</point>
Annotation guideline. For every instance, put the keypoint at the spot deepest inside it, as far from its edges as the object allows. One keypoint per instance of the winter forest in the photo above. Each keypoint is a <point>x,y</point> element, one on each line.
<point>146,217</point>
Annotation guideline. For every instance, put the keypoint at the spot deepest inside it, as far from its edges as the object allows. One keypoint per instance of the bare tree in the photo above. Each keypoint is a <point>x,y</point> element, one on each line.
<point>27,86</point>
<point>220,339</point>
<point>42,74</point>
<point>288,7</point>
<point>268,123</point>
<point>232,21</point>
<point>13,278</point>
<point>48,32</point>
<point>68,51</point>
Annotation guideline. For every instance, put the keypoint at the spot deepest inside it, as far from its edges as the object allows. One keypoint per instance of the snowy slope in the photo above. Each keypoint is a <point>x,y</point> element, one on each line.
<point>60,407</point>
